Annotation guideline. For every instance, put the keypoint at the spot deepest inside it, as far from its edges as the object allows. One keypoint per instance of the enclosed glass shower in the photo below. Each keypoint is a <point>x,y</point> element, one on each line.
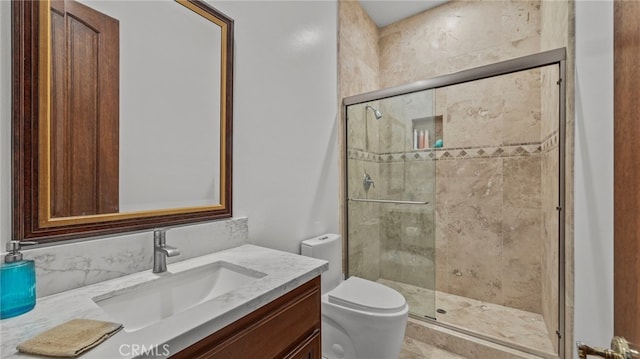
<point>453,198</point>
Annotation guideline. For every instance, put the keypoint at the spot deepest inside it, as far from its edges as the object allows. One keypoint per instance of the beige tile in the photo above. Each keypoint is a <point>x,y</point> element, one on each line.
<point>522,109</point>
<point>472,26</point>
<point>550,255</point>
<point>355,128</point>
<point>474,114</point>
<point>463,344</point>
<point>549,98</point>
<point>408,245</point>
<point>358,65</point>
<point>520,19</point>
<point>554,18</point>
<point>522,251</point>
<point>414,349</point>
<point>393,180</point>
<point>421,181</point>
<point>485,320</point>
<point>469,195</point>
<point>522,184</point>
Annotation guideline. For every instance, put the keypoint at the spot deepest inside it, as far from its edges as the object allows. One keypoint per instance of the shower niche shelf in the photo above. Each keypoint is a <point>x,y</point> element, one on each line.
<point>426,131</point>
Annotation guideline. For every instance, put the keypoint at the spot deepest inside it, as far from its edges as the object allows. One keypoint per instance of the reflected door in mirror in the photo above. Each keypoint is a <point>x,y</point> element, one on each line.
<point>84,110</point>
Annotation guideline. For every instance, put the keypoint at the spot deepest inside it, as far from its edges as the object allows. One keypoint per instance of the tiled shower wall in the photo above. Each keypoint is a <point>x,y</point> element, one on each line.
<point>496,178</point>
<point>555,24</point>
<point>456,36</point>
<point>407,244</point>
<point>488,205</point>
<point>358,67</point>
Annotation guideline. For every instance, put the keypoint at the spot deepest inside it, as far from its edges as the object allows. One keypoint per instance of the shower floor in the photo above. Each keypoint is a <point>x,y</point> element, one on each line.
<point>508,326</point>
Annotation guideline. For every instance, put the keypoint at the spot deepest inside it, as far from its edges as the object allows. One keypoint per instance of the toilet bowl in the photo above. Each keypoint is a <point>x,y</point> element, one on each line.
<point>361,319</point>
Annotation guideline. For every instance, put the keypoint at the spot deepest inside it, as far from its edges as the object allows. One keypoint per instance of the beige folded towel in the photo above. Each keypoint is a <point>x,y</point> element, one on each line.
<point>70,339</point>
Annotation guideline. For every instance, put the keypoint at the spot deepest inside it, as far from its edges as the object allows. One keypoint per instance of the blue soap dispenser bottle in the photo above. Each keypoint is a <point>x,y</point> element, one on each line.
<point>17,282</point>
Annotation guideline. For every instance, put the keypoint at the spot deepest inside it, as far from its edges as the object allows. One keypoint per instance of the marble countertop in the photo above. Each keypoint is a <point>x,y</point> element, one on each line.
<point>284,272</point>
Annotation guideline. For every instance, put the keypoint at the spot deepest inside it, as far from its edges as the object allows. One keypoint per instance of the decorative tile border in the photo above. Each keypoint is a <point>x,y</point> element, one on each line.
<point>530,149</point>
<point>551,142</point>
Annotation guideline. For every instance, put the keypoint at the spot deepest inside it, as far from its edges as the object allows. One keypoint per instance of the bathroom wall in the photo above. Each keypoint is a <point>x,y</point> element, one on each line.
<point>407,246</point>
<point>593,185</point>
<point>488,175</point>
<point>363,218</point>
<point>488,191</point>
<point>285,142</point>
<point>286,173</point>
<point>554,34</point>
<point>456,36</point>
<point>358,73</point>
<point>488,196</point>
<point>358,51</point>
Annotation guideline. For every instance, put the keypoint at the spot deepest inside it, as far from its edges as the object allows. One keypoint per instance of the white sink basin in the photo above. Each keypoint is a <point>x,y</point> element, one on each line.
<point>142,305</point>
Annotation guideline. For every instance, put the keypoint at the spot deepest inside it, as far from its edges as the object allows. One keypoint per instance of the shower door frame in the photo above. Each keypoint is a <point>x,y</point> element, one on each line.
<point>552,57</point>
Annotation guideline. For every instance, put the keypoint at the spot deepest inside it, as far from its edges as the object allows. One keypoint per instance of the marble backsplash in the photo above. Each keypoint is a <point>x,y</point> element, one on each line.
<point>66,266</point>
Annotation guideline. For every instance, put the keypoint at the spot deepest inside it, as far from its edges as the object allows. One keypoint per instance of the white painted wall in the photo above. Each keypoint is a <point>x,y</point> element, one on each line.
<point>594,173</point>
<point>285,124</point>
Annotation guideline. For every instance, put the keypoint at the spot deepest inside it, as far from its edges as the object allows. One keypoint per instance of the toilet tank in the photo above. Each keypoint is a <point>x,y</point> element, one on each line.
<point>328,247</point>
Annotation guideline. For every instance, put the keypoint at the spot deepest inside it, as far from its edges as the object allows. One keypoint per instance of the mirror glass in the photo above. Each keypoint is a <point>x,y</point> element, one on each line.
<point>169,107</point>
<point>133,117</point>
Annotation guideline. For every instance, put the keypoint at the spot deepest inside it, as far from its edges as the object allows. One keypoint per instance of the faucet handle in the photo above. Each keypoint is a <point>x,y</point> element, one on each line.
<point>159,236</point>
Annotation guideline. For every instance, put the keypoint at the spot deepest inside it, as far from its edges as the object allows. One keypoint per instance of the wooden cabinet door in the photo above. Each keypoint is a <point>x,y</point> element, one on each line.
<point>288,327</point>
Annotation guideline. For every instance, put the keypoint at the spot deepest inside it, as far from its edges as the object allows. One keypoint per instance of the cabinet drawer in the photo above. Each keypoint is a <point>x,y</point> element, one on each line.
<point>273,331</point>
<point>310,349</point>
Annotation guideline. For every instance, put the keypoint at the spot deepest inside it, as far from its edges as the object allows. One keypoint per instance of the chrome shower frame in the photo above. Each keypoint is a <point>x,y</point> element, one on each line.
<point>552,57</point>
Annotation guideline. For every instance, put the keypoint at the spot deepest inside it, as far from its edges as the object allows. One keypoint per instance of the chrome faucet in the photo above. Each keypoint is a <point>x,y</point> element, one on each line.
<point>161,251</point>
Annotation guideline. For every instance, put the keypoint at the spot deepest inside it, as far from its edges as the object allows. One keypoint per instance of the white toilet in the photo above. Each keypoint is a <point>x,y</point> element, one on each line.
<point>361,319</point>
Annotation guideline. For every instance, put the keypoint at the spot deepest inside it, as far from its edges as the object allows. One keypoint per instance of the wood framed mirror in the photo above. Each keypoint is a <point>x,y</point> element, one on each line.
<point>122,121</point>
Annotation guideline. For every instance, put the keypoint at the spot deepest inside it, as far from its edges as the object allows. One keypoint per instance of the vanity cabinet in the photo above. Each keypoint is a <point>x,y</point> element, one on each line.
<point>288,327</point>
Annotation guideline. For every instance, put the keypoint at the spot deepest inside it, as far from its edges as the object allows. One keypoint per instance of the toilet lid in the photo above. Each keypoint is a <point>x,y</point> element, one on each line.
<point>362,294</point>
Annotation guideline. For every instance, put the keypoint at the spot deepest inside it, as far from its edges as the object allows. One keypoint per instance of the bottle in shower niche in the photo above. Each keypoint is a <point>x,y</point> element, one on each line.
<point>17,282</point>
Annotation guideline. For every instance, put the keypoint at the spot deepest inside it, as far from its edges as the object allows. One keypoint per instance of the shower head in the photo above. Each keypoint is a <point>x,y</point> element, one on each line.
<point>376,113</point>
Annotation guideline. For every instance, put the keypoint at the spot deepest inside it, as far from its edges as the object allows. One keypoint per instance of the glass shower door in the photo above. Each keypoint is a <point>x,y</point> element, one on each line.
<point>390,187</point>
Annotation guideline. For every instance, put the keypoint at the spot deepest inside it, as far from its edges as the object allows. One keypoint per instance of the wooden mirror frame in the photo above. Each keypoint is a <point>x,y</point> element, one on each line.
<point>26,141</point>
